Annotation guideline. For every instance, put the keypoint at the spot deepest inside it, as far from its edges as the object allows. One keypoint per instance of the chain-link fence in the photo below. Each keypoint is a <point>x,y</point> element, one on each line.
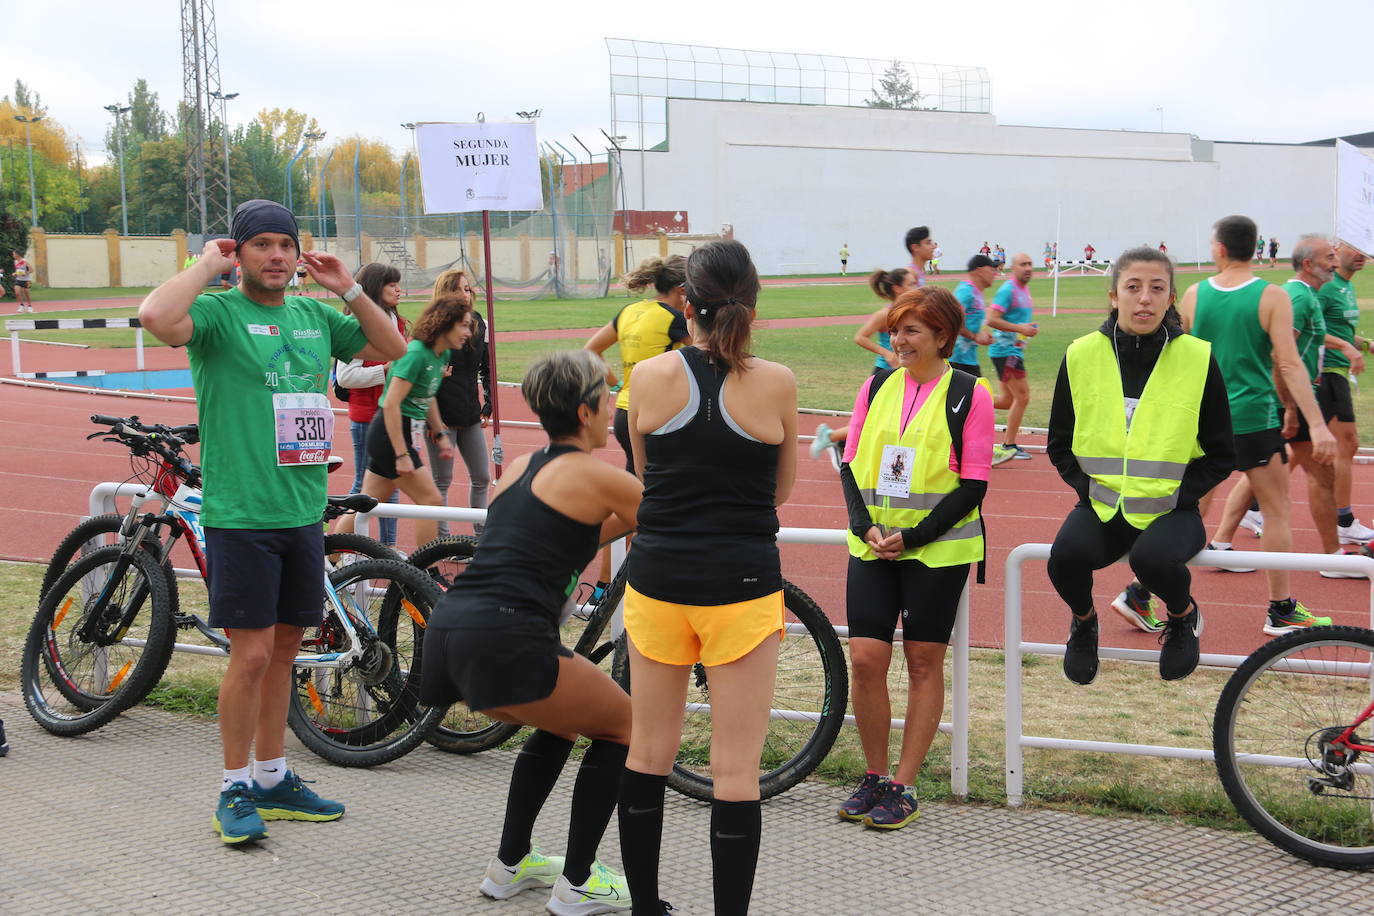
<point>563,251</point>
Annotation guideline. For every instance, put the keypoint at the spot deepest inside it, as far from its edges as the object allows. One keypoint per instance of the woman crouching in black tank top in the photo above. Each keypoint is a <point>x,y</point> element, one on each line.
<point>714,434</point>
<point>493,640</point>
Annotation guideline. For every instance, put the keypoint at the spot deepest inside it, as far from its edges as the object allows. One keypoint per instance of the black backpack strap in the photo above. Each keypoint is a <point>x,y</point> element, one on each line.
<point>879,377</point>
<point>958,401</point>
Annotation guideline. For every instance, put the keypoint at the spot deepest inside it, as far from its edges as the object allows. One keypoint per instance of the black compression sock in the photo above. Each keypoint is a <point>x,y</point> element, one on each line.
<point>593,800</point>
<point>1282,608</point>
<point>735,830</point>
<point>1345,518</point>
<point>536,770</point>
<point>641,836</point>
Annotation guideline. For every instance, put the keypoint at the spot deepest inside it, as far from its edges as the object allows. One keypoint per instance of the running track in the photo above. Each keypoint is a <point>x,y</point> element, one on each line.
<point>48,469</point>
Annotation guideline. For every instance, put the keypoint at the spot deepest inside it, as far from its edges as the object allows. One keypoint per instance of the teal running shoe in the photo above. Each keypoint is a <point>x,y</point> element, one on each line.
<point>237,819</point>
<point>290,800</point>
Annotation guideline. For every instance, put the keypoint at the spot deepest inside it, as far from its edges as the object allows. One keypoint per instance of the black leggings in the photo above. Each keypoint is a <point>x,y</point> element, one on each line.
<point>926,598</point>
<point>1157,555</point>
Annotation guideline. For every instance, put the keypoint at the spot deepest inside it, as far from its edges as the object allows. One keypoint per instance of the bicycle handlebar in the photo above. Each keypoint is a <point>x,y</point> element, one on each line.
<point>166,441</point>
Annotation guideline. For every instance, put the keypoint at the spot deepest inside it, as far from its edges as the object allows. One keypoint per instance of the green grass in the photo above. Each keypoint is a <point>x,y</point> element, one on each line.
<point>48,294</point>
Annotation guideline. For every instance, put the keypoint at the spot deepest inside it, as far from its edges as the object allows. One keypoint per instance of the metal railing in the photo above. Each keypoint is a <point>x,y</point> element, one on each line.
<point>1016,741</point>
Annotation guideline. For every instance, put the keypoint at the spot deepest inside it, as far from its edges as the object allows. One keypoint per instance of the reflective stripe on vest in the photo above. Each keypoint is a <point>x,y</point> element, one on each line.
<point>1136,470</point>
<point>927,434</point>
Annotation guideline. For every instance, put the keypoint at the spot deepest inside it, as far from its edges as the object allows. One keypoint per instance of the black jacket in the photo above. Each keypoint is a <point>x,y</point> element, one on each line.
<point>1137,357</point>
<point>457,395</point>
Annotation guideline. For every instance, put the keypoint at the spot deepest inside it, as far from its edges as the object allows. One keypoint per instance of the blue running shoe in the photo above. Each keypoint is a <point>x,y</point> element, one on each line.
<point>290,800</point>
<point>236,818</point>
<point>896,809</point>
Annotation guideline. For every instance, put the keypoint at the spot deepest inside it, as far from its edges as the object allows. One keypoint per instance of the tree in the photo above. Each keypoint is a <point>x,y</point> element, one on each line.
<point>894,90</point>
<point>27,100</point>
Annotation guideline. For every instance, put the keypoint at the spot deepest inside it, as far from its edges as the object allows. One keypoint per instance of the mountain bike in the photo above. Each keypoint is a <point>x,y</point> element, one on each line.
<point>1294,744</point>
<point>809,699</point>
<point>355,698</point>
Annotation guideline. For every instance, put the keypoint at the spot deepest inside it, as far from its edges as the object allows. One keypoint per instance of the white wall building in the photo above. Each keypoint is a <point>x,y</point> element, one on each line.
<point>797,181</point>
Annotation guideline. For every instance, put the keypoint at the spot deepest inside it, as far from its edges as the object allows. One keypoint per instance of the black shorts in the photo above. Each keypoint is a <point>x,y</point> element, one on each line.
<point>621,425</point>
<point>1333,396</point>
<point>1013,366</point>
<point>261,577</point>
<point>22,284</point>
<point>926,598</point>
<point>1254,450</point>
<point>485,668</point>
<point>974,371</point>
<point>381,454</point>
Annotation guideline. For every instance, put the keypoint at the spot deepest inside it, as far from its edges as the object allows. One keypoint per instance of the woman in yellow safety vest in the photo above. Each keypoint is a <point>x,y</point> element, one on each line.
<point>912,491</point>
<point>1140,428</point>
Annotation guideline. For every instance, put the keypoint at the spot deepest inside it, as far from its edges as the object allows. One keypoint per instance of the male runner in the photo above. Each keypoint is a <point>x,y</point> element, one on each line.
<point>1010,317</point>
<point>1250,325</point>
<point>921,247</point>
<point>969,292</point>
<point>844,259</point>
<point>260,362</point>
<point>1343,359</point>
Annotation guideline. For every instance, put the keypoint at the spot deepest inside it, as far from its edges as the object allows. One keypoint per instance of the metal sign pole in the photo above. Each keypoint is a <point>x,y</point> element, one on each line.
<point>497,455</point>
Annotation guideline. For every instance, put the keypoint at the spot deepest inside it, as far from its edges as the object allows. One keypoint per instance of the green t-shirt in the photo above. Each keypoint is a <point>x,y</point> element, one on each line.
<point>241,354</point>
<point>1309,325</point>
<point>424,370</point>
<point>1229,320</point>
<point>1341,310</point>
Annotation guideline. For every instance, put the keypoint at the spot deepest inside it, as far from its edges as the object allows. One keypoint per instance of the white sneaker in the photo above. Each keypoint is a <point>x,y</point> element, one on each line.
<point>1354,533</point>
<point>1361,551</point>
<point>604,892</point>
<point>1235,569</point>
<point>1253,521</point>
<point>535,870</point>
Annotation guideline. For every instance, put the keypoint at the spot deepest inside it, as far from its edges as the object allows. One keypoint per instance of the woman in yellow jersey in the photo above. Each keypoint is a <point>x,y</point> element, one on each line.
<point>1140,428</point>
<point>913,481</point>
<point>643,329</point>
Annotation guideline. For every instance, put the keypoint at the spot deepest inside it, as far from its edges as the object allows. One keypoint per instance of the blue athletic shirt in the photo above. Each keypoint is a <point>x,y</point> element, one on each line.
<point>1014,302</point>
<point>971,300</point>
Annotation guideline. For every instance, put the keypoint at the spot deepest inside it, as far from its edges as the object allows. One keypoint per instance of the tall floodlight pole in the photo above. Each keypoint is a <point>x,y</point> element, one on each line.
<point>224,98</point>
<point>118,110</point>
<point>28,122</point>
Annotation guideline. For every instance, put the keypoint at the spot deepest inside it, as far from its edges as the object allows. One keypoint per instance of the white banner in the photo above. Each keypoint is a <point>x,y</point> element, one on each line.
<point>1354,197</point>
<point>467,167</point>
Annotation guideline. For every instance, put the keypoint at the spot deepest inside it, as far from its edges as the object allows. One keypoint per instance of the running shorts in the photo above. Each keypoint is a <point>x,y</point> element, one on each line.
<point>1333,396</point>
<point>490,667</point>
<point>261,577</point>
<point>1009,367</point>
<point>925,598</point>
<point>381,454</point>
<point>684,634</point>
<point>1254,450</point>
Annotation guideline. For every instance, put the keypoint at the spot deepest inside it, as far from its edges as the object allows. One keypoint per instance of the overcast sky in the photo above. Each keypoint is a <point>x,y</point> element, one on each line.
<point>1271,71</point>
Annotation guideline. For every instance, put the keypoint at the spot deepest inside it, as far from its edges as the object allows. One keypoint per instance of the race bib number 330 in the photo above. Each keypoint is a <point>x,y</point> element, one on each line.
<point>305,428</point>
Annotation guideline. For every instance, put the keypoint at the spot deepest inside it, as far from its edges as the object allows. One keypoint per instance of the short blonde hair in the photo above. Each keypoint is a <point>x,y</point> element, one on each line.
<point>560,382</point>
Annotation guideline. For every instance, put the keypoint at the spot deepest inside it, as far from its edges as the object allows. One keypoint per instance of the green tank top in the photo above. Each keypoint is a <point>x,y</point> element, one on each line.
<point>1229,320</point>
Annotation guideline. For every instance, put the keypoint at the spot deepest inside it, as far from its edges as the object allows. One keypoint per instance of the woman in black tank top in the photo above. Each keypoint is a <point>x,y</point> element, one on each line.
<point>493,643</point>
<point>714,435</point>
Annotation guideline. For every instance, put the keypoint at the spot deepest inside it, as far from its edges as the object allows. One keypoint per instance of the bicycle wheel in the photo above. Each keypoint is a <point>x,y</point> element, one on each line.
<point>461,731</point>
<point>345,547</point>
<point>367,711</point>
<point>1279,749</point>
<point>101,639</point>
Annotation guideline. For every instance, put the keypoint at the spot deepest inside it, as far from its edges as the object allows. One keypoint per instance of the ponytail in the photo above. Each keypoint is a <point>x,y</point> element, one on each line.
<point>723,288</point>
<point>886,283</point>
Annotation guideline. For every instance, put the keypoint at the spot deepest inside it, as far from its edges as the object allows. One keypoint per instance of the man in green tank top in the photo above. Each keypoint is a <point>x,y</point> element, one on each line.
<point>1344,358</point>
<point>1250,325</point>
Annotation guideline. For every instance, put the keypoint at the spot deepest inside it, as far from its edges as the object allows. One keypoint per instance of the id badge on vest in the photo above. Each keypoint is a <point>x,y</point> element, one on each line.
<point>305,428</point>
<point>1131,405</point>
<point>894,474</point>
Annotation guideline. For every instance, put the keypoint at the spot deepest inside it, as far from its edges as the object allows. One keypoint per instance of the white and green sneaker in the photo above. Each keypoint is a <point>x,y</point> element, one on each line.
<point>605,891</point>
<point>1300,618</point>
<point>535,870</point>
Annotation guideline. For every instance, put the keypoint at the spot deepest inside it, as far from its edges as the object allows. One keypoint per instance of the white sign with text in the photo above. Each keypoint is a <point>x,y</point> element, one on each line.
<point>1354,197</point>
<point>468,167</point>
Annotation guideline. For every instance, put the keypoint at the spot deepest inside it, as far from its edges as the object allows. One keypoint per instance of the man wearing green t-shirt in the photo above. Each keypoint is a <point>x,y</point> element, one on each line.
<point>1344,358</point>
<point>260,362</point>
<point>1250,325</point>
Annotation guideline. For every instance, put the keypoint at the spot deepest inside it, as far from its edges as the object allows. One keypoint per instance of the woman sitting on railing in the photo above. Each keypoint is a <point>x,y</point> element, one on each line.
<point>1140,428</point>
<point>916,468</point>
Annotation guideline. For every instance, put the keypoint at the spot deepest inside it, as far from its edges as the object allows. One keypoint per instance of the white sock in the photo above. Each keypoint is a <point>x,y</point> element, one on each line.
<point>267,773</point>
<point>1220,545</point>
<point>242,774</point>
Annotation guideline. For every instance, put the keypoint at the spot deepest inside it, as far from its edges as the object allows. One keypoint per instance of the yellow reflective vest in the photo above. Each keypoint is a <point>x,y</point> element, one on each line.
<point>1136,466</point>
<point>931,479</point>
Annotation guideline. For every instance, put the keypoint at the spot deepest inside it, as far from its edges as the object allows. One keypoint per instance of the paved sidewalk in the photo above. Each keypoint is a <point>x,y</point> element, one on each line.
<point>119,822</point>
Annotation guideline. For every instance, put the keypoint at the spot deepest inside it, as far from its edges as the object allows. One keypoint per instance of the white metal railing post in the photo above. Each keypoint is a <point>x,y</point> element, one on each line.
<point>14,353</point>
<point>1011,640</point>
<point>138,347</point>
<point>958,740</point>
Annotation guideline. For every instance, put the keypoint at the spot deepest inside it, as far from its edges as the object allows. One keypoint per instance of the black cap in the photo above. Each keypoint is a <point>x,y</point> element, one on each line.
<point>980,260</point>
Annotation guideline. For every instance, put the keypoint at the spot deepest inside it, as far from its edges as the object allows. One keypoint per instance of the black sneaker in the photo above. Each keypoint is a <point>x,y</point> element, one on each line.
<point>1080,652</point>
<point>868,794</point>
<point>4,745</point>
<point>1179,649</point>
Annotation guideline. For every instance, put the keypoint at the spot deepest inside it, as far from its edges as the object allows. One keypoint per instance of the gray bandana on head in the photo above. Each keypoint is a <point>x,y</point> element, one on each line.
<point>254,217</point>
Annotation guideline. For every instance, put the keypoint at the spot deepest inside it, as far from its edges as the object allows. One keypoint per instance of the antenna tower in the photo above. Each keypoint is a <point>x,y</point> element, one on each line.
<point>205,188</point>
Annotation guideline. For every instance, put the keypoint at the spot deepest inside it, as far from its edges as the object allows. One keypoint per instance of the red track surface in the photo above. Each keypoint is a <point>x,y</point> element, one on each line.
<point>48,469</point>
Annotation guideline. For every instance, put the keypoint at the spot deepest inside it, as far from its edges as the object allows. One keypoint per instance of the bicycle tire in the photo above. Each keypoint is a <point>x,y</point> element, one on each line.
<point>1289,699</point>
<point>356,546</point>
<point>368,713</point>
<point>77,543</point>
<point>53,653</point>
<point>461,730</point>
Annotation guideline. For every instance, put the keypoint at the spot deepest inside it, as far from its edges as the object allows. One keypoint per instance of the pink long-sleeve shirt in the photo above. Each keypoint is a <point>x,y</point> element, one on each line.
<point>978,432</point>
